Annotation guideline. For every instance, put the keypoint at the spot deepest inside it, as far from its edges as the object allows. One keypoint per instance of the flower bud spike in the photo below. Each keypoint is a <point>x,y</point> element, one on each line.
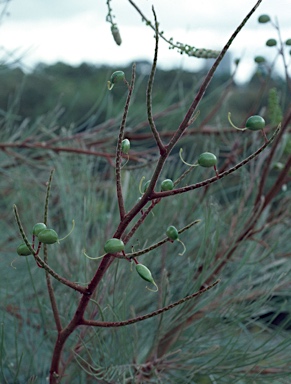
<point>183,161</point>
<point>234,126</point>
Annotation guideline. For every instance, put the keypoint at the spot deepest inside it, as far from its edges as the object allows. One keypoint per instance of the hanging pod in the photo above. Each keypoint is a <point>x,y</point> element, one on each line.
<point>116,34</point>
<point>116,77</point>
<point>173,235</point>
<point>146,274</point>
<point>125,146</point>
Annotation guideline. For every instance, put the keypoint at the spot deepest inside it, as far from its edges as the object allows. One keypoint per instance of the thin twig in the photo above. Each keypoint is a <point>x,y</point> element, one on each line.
<point>148,315</point>
<point>157,195</point>
<point>44,265</point>
<point>119,146</point>
<point>158,244</point>
<point>150,89</point>
<point>47,275</point>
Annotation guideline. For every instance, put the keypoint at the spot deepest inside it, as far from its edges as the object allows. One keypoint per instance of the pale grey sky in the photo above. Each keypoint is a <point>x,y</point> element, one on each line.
<point>75,31</point>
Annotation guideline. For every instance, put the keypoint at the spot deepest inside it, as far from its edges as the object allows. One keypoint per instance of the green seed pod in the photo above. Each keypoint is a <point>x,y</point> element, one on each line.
<point>38,227</point>
<point>255,123</point>
<point>146,186</point>
<point>116,77</point>
<point>144,273</point>
<point>264,19</point>
<point>48,236</point>
<point>288,42</point>
<point>172,233</point>
<point>271,42</point>
<point>23,250</point>
<point>259,59</point>
<point>114,246</point>
<point>116,35</point>
<point>167,185</point>
<point>125,146</point>
<point>207,160</point>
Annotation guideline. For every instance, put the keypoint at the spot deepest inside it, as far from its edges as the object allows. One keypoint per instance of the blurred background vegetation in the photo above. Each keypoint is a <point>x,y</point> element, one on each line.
<point>63,117</point>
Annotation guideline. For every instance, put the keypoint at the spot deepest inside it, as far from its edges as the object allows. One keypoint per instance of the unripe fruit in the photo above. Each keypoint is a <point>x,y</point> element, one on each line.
<point>288,42</point>
<point>116,77</point>
<point>260,59</point>
<point>125,146</point>
<point>264,19</point>
<point>146,186</point>
<point>114,246</point>
<point>207,160</point>
<point>167,185</point>
<point>172,233</point>
<point>48,236</point>
<point>116,35</point>
<point>255,123</point>
<point>37,228</point>
<point>271,42</point>
<point>144,273</point>
<point>23,250</point>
